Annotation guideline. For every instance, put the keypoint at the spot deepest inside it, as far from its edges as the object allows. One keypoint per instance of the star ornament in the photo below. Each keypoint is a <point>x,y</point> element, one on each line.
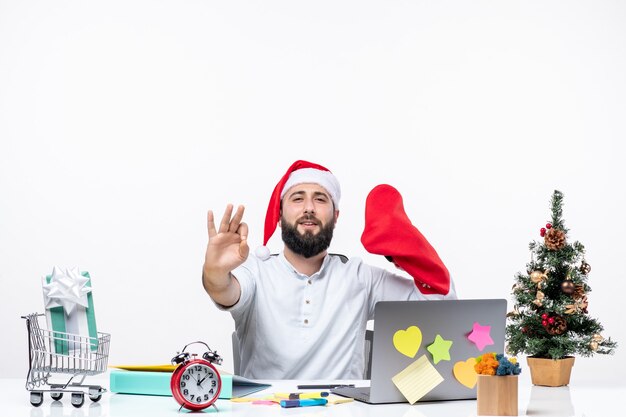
<point>480,336</point>
<point>440,349</point>
<point>67,289</point>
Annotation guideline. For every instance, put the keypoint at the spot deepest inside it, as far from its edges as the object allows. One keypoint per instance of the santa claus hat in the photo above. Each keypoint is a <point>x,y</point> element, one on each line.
<point>389,232</point>
<point>300,172</point>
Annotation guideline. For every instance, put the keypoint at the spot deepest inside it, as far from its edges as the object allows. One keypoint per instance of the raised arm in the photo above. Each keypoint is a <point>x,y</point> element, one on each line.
<point>226,250</point>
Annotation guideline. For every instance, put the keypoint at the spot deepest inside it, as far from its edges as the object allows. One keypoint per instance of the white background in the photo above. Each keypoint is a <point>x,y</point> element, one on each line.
<point>123,122</point>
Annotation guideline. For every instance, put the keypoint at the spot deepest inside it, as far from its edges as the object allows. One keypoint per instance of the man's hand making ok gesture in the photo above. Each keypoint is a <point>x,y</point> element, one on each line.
<point>227,249</point>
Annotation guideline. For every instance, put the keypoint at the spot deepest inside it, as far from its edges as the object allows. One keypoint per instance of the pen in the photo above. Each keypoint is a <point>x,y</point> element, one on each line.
<point>307,402</point>
<point>328,386</point>
<point>301,395</point>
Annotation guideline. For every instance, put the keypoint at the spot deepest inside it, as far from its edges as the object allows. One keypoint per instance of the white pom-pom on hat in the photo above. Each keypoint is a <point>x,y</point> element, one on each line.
<point>262,252</point>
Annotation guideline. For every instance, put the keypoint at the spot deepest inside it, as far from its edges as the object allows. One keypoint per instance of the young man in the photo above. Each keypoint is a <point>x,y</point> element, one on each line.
<point>302,314</point>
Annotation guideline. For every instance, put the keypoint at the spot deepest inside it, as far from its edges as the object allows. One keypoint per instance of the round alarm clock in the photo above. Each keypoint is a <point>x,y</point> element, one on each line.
<point>195,383</point>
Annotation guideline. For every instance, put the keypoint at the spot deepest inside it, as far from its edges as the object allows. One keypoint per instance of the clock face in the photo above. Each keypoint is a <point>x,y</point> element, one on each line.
<point>199,384</point>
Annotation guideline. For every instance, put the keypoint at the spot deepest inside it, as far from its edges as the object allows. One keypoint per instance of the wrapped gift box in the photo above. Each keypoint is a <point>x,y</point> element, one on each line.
<point>70,311</point>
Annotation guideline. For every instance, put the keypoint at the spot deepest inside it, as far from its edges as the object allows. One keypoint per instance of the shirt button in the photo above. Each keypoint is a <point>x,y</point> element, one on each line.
<point>309,282</point>
<point>306,321</point>
<point>308,301</point>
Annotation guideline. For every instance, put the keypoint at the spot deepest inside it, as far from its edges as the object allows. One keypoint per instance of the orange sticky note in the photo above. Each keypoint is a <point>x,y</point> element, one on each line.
<point>464,372</point>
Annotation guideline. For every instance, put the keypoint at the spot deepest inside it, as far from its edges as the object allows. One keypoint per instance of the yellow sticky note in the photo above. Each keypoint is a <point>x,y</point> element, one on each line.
<point>252,399</point>
<point>408,341</point>
<point>338,399</point>
<point>417,379</point>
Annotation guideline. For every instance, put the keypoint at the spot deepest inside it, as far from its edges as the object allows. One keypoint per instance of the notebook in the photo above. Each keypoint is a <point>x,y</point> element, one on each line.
<point>473,327</point>
<point>156,379</point>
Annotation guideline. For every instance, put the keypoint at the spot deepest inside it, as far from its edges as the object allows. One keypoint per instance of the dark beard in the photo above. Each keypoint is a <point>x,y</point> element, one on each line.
<point>306,244</point>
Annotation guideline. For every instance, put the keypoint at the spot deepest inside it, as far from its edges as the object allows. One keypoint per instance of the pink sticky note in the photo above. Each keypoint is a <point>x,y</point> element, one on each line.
<point>263,402</point>
<point>480,336</point>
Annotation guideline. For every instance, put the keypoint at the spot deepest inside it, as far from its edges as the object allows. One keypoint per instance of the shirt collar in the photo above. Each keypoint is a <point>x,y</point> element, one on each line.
<point>286,263</point>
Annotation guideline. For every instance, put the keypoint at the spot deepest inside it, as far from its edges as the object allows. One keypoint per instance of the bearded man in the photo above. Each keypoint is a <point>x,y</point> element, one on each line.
<point>302,314</point>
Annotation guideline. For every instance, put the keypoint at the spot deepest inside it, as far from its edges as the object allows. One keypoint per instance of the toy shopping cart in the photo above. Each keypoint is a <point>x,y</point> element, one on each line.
<point>52,352</point>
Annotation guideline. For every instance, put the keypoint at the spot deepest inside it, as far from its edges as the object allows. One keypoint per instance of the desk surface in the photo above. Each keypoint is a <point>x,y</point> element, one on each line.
<point>537,401</point>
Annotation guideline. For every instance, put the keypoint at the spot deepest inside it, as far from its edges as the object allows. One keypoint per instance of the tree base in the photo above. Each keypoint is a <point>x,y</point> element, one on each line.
<point>550,372</point>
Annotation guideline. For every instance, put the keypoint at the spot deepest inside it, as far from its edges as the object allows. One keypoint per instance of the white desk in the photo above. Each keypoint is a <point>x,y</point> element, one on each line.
<point>537,401</point>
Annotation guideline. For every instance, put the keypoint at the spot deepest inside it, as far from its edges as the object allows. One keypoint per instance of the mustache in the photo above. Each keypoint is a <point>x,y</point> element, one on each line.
<point>308,218</point>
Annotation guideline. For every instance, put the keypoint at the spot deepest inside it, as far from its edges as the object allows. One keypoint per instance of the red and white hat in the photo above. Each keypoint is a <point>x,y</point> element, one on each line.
<point>300,172</point>
<point>389,232</point>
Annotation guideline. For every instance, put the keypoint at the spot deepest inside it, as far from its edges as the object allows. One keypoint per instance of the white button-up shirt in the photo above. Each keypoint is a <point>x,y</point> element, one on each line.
<point>293,326</point>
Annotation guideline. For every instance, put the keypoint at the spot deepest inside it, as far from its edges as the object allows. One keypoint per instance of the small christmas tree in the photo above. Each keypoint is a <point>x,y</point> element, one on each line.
<point>550,317</point>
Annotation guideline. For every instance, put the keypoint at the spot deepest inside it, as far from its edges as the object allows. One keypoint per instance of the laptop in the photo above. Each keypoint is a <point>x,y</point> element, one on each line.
<point>452,320</point>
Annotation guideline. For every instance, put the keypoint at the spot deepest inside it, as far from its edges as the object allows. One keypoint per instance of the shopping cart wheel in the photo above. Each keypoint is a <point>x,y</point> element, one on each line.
<point>95,393</point>
<point>56,396</point>
<point>36,398</point>
<point>78,398</point>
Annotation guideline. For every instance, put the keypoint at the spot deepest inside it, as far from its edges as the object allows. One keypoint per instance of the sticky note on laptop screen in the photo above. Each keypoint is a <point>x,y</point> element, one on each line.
<point>417,379</point>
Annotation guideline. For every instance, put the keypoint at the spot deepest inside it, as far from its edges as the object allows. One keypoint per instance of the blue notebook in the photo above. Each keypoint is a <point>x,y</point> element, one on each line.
<point>158,383</point>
